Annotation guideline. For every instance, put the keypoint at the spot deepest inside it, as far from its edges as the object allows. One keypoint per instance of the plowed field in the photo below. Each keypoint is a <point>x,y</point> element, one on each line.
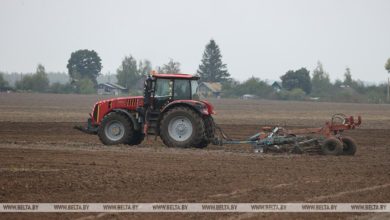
<point>43,159</point>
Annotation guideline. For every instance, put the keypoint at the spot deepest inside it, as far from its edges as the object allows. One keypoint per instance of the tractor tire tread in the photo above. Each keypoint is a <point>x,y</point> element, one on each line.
<point>127,138</point>
<point>209,131</point>
<point>198,128</point>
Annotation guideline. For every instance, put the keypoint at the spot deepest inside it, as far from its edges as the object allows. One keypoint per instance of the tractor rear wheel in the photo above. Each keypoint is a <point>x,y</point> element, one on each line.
<point>182,127</point>
<point>332,146</point>
<point>349,146</point>
<point>116,128</point>
<point>209,131</point>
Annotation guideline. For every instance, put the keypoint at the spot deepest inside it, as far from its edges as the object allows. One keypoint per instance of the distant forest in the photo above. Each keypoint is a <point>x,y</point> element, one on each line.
<point>54,77</point>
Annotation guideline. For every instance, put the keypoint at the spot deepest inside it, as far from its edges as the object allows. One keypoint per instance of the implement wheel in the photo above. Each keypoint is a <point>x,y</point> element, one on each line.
<point>349,146</point>
<point>332,146</point>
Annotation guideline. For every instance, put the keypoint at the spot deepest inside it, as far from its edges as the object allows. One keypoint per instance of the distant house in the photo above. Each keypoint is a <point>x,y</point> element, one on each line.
<point>210,89</point>
<point>276,86</point>
<point>111,89</point>
<point>248,96</point>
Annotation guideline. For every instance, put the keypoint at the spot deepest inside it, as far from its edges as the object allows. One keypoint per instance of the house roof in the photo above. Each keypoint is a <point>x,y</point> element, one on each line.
<point>113,85</point>
<point>276,84</point>
<point>213,86</point>
<point>117,86</point>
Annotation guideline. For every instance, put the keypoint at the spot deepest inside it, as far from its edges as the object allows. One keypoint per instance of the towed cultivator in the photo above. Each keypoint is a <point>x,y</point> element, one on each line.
<point>279,139</point>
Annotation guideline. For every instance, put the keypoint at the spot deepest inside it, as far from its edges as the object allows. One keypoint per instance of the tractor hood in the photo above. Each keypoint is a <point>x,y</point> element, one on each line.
<point>101,108</point>
<point>120,100</point>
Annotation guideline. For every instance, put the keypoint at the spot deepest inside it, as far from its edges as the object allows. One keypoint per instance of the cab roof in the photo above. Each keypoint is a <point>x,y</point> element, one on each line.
<point>177,76</point>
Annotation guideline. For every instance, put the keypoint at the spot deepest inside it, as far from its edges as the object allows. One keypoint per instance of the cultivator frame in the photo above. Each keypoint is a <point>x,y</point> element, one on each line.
<point>279,139</point>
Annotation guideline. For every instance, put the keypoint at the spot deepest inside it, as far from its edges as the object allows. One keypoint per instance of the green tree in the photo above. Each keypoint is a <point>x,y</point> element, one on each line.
<point>25,83</point>
<point>172,67</point>
<point>294,94</point>
<point>229,88</point>
<point>38,82</point>
<point>40,79</point>
<point>387,65</point>
<point>211,68</point>
<point>297,79</point>
<point>338,83</point>
<point>320,81</point>
<point>84,64</point>
<point>255,86</point>
<point>61,88</point>
<point>86,86</point>
<point>3,83</point>
<point>348,77</point>
<point>127,74</point>
<point>144,68</point>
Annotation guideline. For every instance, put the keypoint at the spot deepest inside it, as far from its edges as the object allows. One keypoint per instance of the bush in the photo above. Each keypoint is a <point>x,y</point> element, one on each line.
<point>86,86</point>
<point>61,88</point>
<point>295,94</point>
<point>3,83</point>
<point>253,86</point>
<point>37,82</point>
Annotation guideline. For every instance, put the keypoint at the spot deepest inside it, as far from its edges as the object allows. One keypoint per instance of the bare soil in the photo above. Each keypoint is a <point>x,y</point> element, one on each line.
<point>46,160</point>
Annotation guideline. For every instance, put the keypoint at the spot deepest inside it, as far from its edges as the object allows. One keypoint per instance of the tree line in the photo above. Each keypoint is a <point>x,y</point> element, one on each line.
<point>84,66</point>
<point>301,85</point>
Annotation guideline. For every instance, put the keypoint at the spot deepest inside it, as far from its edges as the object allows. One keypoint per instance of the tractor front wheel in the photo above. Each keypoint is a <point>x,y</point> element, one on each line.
<point>116,128</point>
<point>182,127</point>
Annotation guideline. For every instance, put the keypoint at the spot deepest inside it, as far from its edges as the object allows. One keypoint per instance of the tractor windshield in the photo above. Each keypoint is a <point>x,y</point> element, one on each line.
<point>183,89</point>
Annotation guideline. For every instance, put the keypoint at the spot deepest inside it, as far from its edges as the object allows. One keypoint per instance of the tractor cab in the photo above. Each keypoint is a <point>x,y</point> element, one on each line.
<point>167,88</point>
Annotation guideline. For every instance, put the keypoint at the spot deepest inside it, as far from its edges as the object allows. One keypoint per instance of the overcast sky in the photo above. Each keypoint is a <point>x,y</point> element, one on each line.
<point>260,38</point>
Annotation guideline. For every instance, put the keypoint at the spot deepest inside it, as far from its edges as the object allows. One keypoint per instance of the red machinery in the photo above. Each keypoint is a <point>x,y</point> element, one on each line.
<point>170,108</point>
<point>281,139</point>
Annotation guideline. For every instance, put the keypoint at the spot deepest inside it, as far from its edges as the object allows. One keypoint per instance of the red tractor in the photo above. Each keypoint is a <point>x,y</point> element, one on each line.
<point>170,108</point>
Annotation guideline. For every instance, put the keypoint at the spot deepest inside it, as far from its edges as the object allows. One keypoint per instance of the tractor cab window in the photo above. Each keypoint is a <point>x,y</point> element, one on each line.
<point>163,88</point>
<point>194,90</point>
<point>182,90</point>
